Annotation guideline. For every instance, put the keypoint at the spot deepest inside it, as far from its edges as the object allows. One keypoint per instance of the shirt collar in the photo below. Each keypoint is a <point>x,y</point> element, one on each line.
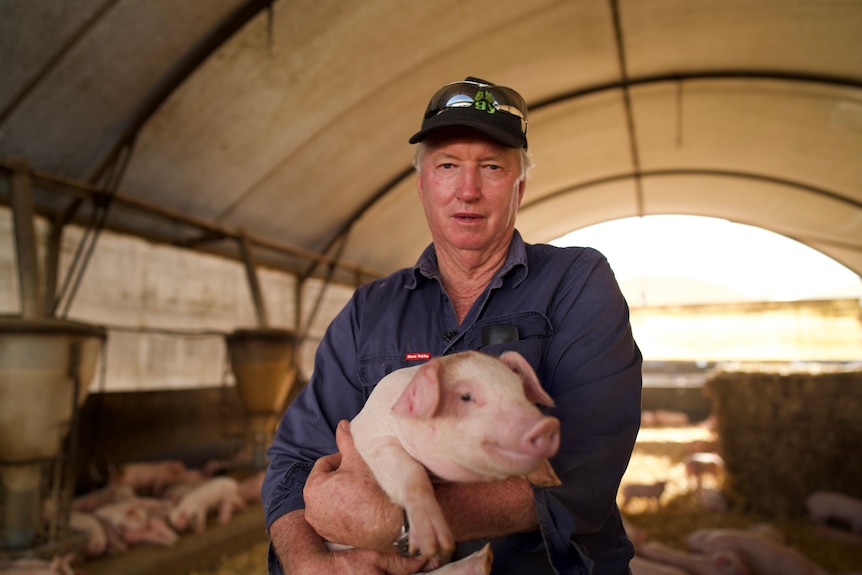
<point>516,263</point>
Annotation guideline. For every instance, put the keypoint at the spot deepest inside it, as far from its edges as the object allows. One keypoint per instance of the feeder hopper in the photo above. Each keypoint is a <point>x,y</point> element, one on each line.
<point>46,366</point>
<point>263,365</point>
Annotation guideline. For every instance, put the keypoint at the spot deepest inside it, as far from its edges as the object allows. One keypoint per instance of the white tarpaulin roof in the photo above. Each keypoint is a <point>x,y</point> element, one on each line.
<point>288,121</point>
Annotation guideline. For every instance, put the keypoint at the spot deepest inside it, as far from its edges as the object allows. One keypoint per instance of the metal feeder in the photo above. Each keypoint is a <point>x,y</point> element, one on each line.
<point>263,364</point>
<point>46,366</point>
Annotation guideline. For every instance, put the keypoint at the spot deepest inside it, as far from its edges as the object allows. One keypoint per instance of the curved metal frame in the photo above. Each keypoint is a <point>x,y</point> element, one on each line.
<point>821,79</point>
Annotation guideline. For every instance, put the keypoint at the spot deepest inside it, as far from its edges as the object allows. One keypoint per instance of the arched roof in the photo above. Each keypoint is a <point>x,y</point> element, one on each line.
<point>206,121</point>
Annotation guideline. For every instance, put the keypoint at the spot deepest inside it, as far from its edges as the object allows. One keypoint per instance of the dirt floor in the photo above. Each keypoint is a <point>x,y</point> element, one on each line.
<point>658,455</point>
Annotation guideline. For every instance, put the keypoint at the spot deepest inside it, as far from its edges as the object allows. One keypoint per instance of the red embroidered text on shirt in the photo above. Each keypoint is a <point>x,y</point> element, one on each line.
<point>412,356</point>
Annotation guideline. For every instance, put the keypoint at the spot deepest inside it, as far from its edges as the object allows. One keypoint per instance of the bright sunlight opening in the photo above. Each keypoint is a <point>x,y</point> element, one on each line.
<point>678,260</point>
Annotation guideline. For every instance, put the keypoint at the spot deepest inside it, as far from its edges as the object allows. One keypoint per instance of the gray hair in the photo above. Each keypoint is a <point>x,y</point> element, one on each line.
<point>525,160</point>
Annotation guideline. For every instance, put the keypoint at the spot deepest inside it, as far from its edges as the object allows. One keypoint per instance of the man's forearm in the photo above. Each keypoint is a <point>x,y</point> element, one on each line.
<point>473,510</point>
<point>294,540</point>
<point>487,510</point>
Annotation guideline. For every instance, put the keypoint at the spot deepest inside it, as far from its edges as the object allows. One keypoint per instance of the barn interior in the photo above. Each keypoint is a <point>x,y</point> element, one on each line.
<point>191,191</point>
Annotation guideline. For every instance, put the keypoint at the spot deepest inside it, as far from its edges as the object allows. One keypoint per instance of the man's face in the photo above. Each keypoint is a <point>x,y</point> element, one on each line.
<point>470,189</point>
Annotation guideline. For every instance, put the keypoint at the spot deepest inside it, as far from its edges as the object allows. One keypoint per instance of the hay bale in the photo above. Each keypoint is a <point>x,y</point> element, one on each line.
<point>786,434</point>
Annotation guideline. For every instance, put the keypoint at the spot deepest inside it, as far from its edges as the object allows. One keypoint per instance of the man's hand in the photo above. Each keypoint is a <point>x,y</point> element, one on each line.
<point>363,562</point>
<point>301,551</point>
<point>344,503</point>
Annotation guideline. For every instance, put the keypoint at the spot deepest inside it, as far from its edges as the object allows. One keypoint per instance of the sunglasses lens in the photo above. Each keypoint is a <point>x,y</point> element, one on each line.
<point>487,98</point>
<point>457,101</point>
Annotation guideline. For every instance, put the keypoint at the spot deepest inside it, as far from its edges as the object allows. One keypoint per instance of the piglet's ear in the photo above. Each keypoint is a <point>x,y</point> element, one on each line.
<point>422,395</point>
<point>532,388</point>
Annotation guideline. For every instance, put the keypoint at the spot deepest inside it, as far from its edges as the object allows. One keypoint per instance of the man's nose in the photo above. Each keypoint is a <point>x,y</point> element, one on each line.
<point>470,186</point>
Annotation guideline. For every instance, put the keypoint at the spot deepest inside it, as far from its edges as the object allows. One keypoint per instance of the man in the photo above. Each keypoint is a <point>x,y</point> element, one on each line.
<point>478,286</point>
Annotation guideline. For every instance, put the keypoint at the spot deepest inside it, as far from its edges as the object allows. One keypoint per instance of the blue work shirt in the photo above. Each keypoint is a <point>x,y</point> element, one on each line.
<point>571,323</point>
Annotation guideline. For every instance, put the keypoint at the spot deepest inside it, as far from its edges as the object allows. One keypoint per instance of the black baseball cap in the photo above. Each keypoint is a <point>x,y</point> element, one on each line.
<point>496,111</point>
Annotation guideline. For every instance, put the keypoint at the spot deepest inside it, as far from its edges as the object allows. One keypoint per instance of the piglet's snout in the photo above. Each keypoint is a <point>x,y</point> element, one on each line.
<point>543,440</point>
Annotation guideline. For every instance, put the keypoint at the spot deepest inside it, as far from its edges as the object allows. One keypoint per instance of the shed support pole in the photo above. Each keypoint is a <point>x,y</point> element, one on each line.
<point>52,264</point>
<point>29,286</point>
<point>253,284</point>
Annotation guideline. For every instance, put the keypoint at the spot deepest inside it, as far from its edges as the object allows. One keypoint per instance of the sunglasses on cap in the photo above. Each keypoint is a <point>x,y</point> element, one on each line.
<point>481,96</point>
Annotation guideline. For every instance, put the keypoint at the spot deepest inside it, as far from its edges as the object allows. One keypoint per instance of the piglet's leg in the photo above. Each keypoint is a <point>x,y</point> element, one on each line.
<point>477,563</point>
<point>544,475</point>
<point>407,483</point>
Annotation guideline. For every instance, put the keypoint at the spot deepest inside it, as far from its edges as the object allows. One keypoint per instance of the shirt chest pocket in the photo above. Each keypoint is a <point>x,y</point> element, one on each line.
<point>373,368</point>
<point>527,333</point>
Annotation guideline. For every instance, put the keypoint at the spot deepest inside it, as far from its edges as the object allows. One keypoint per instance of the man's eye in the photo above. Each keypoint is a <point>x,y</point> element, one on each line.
<point>447,166</point>
<point>466,397</point>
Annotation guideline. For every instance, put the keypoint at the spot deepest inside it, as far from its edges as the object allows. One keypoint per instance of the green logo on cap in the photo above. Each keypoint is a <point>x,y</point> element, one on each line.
<point>484,100</point>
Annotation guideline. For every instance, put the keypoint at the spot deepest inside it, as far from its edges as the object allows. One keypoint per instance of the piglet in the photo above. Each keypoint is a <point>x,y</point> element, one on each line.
<point>643,566</point>
<point>139,520</point>
<point>149,478</point>
<point>93,529</point>
<point>722,562</point>
<point>462,417</point>
<point>698,465</point>
<point>88,502</point>
<point>824,506</point>
<point>477,563</point>
<point>767,531</point>
<point>219,494</point>
<point>156,531</point>
<point>649,491</point>
<point>99,535</point>
<point>763,554</point>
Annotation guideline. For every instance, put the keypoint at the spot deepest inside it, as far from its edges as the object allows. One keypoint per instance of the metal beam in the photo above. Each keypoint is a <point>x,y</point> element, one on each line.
<point>627,105</point>
<point>696,172</point>
<point>94,196</point>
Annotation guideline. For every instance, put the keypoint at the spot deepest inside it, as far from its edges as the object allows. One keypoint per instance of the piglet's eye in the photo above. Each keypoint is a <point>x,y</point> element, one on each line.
<point>466,397</point>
